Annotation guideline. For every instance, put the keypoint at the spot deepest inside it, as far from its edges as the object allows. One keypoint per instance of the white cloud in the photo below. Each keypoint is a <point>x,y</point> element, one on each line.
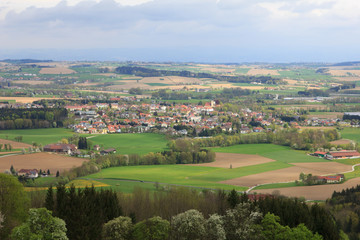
<point>180,24</point>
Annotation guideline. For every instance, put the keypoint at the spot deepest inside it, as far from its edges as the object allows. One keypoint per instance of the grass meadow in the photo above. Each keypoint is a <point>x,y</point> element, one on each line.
<point>131,143</point>
<point>276,152</point>
<point>351,133</point>
<point>43,135</point>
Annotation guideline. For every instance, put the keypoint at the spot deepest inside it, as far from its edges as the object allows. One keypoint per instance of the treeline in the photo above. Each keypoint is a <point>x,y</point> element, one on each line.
<point>183,213</point>
<point>314,93</point>
<point>11,118</point>
<point>307,139</point>
<point>148,72</point>
<point>345,206</point>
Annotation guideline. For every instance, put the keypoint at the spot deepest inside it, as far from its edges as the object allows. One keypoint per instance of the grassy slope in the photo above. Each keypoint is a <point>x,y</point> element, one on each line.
<point>131,143</point>
<point>43,136</point>
<point>279,153</point>
<point>351,133</point>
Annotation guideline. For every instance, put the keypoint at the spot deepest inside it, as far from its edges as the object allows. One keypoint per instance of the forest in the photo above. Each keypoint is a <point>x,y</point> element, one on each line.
<point>14,118</point>
<point>174,213</point>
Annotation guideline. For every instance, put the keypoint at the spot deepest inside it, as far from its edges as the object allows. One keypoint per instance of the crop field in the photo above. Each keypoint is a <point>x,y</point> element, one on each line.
<point>290,174</point>
<point>54,162</point>
<point>25,99</point>
<point>43,136</point>
<point>14,145</point>
<point>33,82</point>
<point>258,71</point>
<point>131,143</point>
<point>317,192</point>
<point>57,70</point>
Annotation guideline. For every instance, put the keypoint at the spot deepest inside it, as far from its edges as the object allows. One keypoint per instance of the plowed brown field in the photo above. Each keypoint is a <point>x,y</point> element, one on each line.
<point>224,160</point>
<point>44,161</point>
<point>319,192</point>
<point>14,144</point>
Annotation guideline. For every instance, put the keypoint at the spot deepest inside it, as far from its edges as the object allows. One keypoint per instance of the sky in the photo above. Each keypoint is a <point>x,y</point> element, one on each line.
<point>213,31</point>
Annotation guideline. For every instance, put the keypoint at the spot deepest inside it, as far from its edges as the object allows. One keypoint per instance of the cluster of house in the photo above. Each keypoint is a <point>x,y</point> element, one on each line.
<point>30,173</point>
<point>343,154</point>
<point>71,149</point>
<point>126,117</point>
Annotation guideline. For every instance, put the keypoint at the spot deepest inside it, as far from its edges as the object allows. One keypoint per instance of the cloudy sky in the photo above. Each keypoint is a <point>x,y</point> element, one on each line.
<point>181,30</point>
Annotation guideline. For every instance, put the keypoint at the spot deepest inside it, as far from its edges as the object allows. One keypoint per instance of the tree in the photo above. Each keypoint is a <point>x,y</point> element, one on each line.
<point>12,170</point>
<point>14,203</point>
<point>49,201</point>
<point>48,172</point>
<point>1,145</point>
<point>241,222</point>
<point>10,147</point>
<point>41,225</point>
<point>2,219</point>
<point>57,173</point>
<point>233,198</point>
<point>214,227</point>
<point>188,225</point>
<point>117,229</point>
<point>272,229</point>
<point>154,228</point>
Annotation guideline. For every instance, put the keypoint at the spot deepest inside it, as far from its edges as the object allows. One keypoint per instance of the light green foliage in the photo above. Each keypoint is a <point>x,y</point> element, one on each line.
<point>13,203</point>
<point>242,222</point>
<point>41,225</point>
<point>154,228</point>
<point>272,229</point>
<point>214,226</point>
<point>117,229</point>
<point>188,225</point>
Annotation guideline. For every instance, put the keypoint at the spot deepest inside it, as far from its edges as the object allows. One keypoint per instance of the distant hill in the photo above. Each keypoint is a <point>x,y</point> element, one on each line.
<point>355,63</point>
<point>23,61</point>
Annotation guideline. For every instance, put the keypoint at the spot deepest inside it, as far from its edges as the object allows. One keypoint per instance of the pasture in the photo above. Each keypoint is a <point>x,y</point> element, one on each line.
<point>351,133</point>
<point>41,136</point>
<point>276,152</point>
<point>131,143</point>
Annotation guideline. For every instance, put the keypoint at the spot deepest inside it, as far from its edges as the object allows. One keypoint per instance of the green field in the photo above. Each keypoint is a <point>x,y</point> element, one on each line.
<point>351,133</point>
<point>43,135</point>
<point>205,177</point>
<point>130,143</point>
<point>279,153</point>
<point>185,175</point>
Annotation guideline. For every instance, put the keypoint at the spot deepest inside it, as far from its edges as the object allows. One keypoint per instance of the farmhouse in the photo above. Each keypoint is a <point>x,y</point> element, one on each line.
<point>60,148</point>
<point>319,154</point>
<point>108,151</point>
<point>342,154</point>
<point>29,173</point>
<point>331,179</point>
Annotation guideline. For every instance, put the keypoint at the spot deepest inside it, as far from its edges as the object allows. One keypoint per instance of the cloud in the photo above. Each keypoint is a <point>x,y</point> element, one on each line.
<point>201,25</point>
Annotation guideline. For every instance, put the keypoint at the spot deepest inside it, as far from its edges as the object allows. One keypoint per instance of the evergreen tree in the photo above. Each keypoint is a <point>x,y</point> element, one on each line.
<point>233,198</point>
<point>49,201</point>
